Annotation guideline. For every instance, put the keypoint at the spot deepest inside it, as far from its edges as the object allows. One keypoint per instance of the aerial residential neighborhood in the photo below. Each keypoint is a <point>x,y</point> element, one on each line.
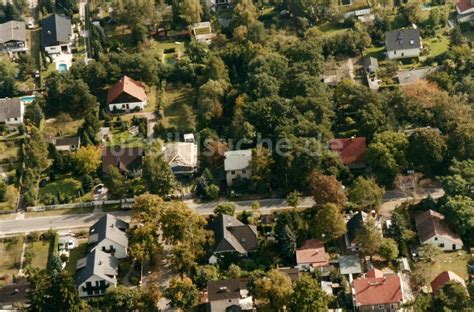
<point>237,155</point>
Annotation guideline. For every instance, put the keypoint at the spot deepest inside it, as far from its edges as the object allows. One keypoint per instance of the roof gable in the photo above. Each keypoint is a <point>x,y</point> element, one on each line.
<point>378,290</point>
<point>351,150</point>
<point>430,224</point>
<point>312,252</point>
<point>125,158</point>
<point>109,227</point>
<point>55,29</point>
<point>10,108</point>
<point>100,264</point>
<point>402,39</point>
<point>128,88</point>
<point>237,160</point>
<point>445,277</point>
<point>465,5</point>
<point>12,31</point>
<point>232,235</point>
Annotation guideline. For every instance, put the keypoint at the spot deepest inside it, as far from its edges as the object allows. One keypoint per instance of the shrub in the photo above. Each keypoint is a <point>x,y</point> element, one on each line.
<point>33,236</point>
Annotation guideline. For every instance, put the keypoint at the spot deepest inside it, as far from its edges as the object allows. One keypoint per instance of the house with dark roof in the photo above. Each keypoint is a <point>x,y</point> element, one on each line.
<point>67,144</point>
<point>95,273</point>
<point>56,34</point>
<point>351,150</point>
<point>432,230</point>
<point>126,95</point>
<point>232,236</point>
<point>229,296</point>
<point>127,159</point>
<point>445,277</point>
<point>109,234</point>
<point>355,224</point>
<point>13,37</point>
<point>465,10</point>
<point>217,4</point>
<point>403,43</point>
<point>11,112</point>
<point>312,255</point>
<point>378,291</point>
<point>13,295</point>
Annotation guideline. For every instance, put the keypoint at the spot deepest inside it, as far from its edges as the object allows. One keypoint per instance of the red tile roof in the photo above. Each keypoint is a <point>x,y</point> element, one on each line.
<point>351,150</point>
<point>312,252</point>
<point>374,273</point>
<point>377,290</point>
<point>129,86</point>
<point>430,223</point>
<point>445,277</point>
<point>465,5</point>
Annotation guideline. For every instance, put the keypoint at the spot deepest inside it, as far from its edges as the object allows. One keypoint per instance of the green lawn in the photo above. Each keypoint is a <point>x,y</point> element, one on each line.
<point>9,152</point>
<point>63,127</point>
<point>125,138</point>
<point>377,52</point>
<point>10,251</point>
<point>58,212</point>
<point>356,5</point>
<point>447,261</point>
<point>437,45</point>
<point>76,254</point>
<point>178,101</point>
<point>331,29</point>
<point>40,253</point>
<point>66,185</point>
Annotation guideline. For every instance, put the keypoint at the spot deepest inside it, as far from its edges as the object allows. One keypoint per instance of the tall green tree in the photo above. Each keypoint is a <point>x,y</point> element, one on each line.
<point>157,174</point>
<point>365,194</point>
<point>369,237</point>
<point>308,296</point>
<point>116,183</point>
<point>328,223</point>
<point>275,289</point>
<point>182,293</point>
<point>426,150</point>
<point>123,299</point>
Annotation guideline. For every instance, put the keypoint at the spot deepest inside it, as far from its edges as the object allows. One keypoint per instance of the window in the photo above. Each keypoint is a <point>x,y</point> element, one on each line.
<point>232,172</point>
<point>244,171</point>
<point>441,245</point>
<point>395,52</point>
<point>243,240</point>
<point>436,238</point>
<point>403,54</point>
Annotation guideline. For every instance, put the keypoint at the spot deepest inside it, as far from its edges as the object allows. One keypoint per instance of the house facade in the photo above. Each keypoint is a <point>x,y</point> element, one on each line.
<point>229,296</point>
<point>11,112</point>
<point>432,230</point>
<point>95,273</point>
<point>312,255</point>
<point>126,95</point>
<point>109,235</point>
<point>56,34</point>
<point>237,165</point>
<point>403,43</point>
<point>13,37</point>
<point>465,10</point>
<point>67,144</point>
<point>445,277</point>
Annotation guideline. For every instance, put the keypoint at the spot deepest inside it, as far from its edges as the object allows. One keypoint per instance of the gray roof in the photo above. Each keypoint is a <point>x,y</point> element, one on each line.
<point>350,264</point>
<point>12,31</point>
<point>98,263</point>
<point>232,235</point>
<point>67,141</point>
<point>371,64</point>
<point>224,289</point>
<point>355,224</point>
<point>10,108</point>
<point>111,228</point>
<point>55,29</point>
<point>402,39</point>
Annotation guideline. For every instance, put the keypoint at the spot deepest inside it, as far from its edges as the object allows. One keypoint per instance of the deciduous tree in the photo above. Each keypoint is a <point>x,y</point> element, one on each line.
<point>365,194</point>
<point>275,288</point>
<point>308,296</point>
<point>328,223</point>
<point>182,293</point>
<point>326,189</point>
<point>87,159</point>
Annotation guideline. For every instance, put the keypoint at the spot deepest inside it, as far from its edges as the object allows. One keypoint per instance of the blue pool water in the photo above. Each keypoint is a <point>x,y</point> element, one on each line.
<point>62,67</point>
<point>27,98</point>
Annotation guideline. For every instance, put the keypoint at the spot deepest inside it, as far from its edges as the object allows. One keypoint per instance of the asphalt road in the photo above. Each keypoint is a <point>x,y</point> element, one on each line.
<point>76,221</point>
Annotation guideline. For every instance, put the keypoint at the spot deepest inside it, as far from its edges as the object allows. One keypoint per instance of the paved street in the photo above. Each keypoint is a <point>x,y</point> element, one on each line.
<point>75,221</point>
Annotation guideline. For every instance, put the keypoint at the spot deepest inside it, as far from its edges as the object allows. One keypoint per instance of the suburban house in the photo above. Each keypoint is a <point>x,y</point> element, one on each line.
<point>202,32</point>
<point>56,34</point>
<point>182,156</point>
<point>350,265</point>
<point>109,235</point>
<point>443,278</point>
<point>378,292</point>
<point>11,112</point>
<point>465,10</point>
<point>355,223</point>
<point>95,273</point>
<point>432,230</point>
<point>127,159</point>
<point>67,144</point>
<point>403,43</point>
<point>229,296</point>
<point>351,151</point>
<point>14,295</point>
<point>237,165</point>
<point>216,4</point>
<point>371,65</point>
<point>232,236</point>
<point>13,37</point>
<point>311,255</point>
<point>126,95</point>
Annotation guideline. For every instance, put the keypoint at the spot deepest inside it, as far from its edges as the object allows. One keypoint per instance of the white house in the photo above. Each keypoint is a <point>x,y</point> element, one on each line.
<point>95,273</point>
<point>229,295</point>
<point>109,235</point>
<point>432,230</point>
<point>237,164</point>
<point>126,95</point>
<point>182,156</point>
<point>56,34</point>
<point>403,43</point>
<point>465,10</point>
<point>202,32</point>
<point>215,4</point>
<point>11,112</point>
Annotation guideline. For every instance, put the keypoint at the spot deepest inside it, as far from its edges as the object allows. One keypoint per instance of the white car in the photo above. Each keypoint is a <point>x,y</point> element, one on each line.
<point>70,244</point>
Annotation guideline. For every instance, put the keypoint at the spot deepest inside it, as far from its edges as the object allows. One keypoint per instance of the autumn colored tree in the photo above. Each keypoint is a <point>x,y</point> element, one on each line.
<point>87,159</point>
<point>369,237</point>
<point>328,223</point>
<point>326,189</point>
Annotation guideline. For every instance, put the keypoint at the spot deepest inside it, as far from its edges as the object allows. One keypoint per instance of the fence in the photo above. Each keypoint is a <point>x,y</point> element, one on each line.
<point>95,203</point>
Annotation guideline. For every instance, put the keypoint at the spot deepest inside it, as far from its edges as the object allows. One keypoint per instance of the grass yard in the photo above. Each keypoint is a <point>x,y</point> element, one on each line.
<point>469,35</point>
<point>76,254</point>
<point>344,5</point>
<point>448,261</point>
<point>178,101</point>
<point>9,152</point>
<point>10,251</point>
<point>39,253</point>
<point>58,212</point>
<point>437,45</point>
<point>331,29</point>
<point>66,127</point>
<point>125,138</point>
<point>377,52</point>
<point>66,185</point>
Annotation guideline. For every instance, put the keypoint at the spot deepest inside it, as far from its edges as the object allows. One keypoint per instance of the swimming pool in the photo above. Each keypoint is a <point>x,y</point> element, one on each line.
<point>27,98</point>
<point>62,67</point>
